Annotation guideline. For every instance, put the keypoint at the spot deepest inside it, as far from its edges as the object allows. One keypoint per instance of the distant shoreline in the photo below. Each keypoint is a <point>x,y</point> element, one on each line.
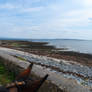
<point>26,39</point>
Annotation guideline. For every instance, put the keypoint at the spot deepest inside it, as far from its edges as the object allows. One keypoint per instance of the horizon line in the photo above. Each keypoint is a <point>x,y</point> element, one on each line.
<point>8,38</point>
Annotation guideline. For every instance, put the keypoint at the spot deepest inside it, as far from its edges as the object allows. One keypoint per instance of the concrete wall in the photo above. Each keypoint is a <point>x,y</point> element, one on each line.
<point>56,82</point>
<point>18,66</point>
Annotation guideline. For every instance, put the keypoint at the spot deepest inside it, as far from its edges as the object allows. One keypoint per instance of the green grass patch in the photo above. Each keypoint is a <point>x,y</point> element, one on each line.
<point>15,44</point>
<point>21,58</point>
<point>5,75</point>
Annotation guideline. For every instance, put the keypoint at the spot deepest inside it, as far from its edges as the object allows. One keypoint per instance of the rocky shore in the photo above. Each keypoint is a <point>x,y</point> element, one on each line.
<point>42,48</point>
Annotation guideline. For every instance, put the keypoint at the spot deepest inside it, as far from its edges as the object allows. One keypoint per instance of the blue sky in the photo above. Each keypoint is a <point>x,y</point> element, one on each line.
<point>46,19</point>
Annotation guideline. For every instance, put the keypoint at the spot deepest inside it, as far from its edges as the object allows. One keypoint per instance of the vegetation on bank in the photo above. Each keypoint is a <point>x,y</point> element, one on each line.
<point>5,75</point>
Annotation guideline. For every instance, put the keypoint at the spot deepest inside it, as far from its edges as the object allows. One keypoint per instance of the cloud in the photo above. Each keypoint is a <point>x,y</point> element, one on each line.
<point>8,6</point>
<point>50,18</point>
<point>35,9</point>
<point>87,3</point>
<point>20,8</point>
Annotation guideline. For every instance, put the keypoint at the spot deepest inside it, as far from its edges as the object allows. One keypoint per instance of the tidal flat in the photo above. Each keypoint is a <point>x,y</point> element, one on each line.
<point>42,48</point>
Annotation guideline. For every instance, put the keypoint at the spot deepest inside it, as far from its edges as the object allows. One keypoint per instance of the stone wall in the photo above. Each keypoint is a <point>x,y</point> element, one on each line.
<point>16,68</point>
<point>55,82</point>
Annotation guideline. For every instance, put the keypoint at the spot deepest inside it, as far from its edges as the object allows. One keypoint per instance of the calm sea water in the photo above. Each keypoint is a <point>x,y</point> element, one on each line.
<point>83,46</point>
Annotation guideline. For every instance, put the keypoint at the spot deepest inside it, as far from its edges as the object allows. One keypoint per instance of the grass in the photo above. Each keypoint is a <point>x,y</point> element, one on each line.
<point>15,44</point>
<point>20,58</point>
<point>5,75</point>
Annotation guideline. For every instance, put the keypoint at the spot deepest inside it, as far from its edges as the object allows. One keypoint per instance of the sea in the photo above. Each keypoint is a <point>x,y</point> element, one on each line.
<point>82,46</point>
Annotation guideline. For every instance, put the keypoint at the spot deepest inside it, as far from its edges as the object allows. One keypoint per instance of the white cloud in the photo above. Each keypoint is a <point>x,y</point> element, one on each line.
<point>87,3</point>
<point>31,9</point>
<point>8,6</point>
<point>20,8</point>
<point>55,20</point>
<point>83,3</point>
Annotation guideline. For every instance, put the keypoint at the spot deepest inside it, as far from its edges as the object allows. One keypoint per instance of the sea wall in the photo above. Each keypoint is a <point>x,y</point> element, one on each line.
<point>59,64</point>
<point>11,64</point>
<point>56,82</point>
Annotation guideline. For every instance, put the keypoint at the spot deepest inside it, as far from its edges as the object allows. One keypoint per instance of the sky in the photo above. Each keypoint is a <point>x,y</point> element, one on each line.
<point>46,19</point>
